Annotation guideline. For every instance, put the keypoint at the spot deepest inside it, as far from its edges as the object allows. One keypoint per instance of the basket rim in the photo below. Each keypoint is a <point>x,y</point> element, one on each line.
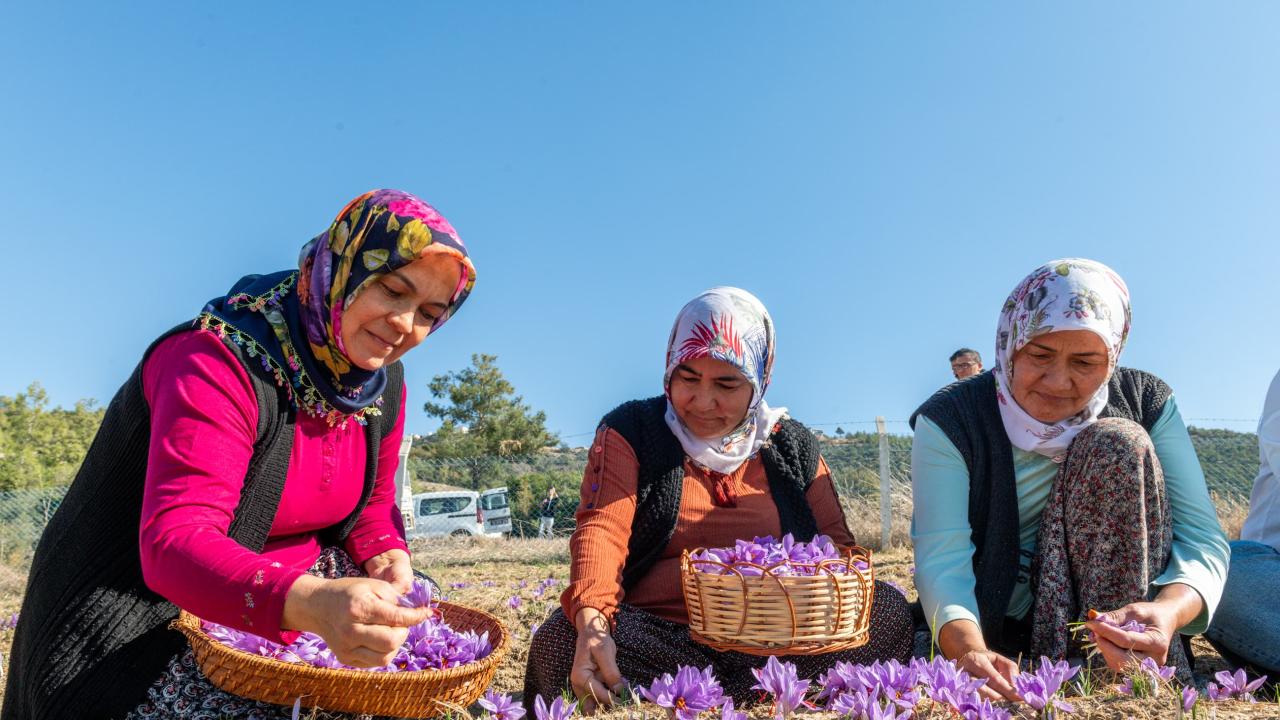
<point>190,626</point>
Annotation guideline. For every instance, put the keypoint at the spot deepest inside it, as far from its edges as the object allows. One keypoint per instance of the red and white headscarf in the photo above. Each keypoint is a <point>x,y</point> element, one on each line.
<point>1067,294</point>
<point>729,324</point>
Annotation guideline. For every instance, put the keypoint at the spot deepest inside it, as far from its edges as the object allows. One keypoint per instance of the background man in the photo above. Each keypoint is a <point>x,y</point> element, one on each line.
<point>965,362</point>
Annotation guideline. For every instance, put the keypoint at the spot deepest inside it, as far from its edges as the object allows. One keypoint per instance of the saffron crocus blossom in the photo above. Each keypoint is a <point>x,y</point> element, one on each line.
<point>514,602</point>
<point>1146,679</point>
<point>981,709</point>
<point>1189,698</point>
<point>686,695</point>
<point>501,707</point>
<point>779,680</point>
<point>1234,685</point>
<point>727,712</point>
<point>944,682</point>
<point>557,710</point>
<point>420,595</point>
<point>1040,688</point>
<point>1130,626</point>
<point>853,703</point>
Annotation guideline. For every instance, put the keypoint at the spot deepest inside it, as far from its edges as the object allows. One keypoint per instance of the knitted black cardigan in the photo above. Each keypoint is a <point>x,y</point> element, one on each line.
<point>790,461</point>
<point>968,413</point>
<point>91,637</point>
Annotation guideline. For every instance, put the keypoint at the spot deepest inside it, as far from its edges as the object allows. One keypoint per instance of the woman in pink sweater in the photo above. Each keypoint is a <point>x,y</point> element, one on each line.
<point>255,448</point>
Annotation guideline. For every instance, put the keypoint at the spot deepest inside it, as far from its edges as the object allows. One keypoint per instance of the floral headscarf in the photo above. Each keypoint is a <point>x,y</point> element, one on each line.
<point>293,318</point>
<point>1067,294</point>
<point>727,324</point>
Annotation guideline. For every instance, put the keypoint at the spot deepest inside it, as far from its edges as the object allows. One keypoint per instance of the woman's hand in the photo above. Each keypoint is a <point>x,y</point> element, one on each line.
<point>357,617</point>
<point>595,678</point>
<point>393,567</point>
<point>962,641</point>
<point>1175,606</point>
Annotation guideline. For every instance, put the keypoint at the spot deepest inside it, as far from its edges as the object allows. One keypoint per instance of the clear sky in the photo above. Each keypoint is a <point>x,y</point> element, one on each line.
<point>879,174</point>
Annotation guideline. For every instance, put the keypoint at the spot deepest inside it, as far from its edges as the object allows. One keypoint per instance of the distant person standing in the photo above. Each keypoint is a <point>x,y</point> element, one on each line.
<point>547,512</point>
<point>965,362</point>
<point>1247,626</point>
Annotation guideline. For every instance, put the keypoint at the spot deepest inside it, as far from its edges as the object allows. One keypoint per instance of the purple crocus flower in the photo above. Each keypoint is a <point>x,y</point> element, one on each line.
<point>779,679</point>
<point>944,682</point>
<point>981,709</point>
<point>514,602</point>
<point>558,710</point>
<point>841,678</point>
<point>419,595</point>
<point>1235,685</point>
<point>501,707</point>
<point>1189,698</point>
<point>888,711</point>
<point>1040,688</point>
<point>853,703</point>
<point>688,694</point>
<point>728,713</point>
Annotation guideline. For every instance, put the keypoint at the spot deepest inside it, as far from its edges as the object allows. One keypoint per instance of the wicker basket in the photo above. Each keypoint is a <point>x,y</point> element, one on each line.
<point>424,693</point>
<point>781,614</point>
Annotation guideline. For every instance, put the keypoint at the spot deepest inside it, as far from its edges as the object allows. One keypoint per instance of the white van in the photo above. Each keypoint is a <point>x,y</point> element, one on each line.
<point>450,512</point>
<point>496,511</point>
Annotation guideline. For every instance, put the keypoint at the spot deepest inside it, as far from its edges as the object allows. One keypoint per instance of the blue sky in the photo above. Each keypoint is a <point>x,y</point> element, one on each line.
<point>879,174</point>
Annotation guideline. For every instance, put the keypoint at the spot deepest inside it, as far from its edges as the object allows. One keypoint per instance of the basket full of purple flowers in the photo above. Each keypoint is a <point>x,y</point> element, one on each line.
<point>779,597</point>
<point>446,663</point>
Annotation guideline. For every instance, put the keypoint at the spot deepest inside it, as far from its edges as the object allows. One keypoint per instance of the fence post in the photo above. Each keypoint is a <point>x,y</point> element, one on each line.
<point>886,489</point>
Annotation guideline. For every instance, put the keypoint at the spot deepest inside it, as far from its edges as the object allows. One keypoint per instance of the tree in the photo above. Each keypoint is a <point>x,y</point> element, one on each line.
<point>482,417</point>
<point>39,446</point>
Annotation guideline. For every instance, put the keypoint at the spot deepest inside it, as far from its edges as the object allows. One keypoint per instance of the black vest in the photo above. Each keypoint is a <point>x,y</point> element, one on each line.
<point>790,461</point>
<point>91,637</point>
<point>968,413</point>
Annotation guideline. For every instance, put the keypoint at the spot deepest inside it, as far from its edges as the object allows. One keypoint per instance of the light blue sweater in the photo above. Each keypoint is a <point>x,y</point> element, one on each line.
<point>940,527</point>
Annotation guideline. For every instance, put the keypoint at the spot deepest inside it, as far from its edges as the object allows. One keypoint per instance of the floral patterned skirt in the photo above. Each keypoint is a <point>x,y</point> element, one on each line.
<point>184,693</point>
<point>1106,533</point>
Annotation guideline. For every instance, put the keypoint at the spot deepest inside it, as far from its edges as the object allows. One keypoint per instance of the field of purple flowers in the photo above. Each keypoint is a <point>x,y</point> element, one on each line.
<point>521,581</point>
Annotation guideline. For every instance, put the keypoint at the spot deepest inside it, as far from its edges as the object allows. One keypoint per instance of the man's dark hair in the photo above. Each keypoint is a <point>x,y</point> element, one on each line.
<point>965,351</point>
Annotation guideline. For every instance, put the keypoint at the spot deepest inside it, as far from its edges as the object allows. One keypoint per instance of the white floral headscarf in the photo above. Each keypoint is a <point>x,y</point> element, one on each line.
<point>1067,294</point>
<point>732,325</point>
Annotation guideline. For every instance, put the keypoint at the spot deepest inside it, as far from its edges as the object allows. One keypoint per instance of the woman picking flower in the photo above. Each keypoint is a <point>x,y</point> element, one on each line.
<point>705,464</point>
<point>245,472</point>
<point>1059,482</point>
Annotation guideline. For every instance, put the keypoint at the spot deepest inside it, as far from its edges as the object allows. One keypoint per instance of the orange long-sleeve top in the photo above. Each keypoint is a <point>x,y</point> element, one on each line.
<point>598,547</point>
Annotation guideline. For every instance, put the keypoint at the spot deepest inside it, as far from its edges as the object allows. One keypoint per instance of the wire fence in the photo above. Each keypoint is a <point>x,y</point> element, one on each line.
<point>504,496</point>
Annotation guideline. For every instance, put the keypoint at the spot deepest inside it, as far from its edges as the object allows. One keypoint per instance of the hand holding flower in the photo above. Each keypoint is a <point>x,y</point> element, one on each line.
<point>359,618</point>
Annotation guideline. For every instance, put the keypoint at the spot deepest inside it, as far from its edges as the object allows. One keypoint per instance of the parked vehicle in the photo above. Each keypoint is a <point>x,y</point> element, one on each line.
<point>450,512</point>
<point>404,487</point>
<point>496,511</point>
